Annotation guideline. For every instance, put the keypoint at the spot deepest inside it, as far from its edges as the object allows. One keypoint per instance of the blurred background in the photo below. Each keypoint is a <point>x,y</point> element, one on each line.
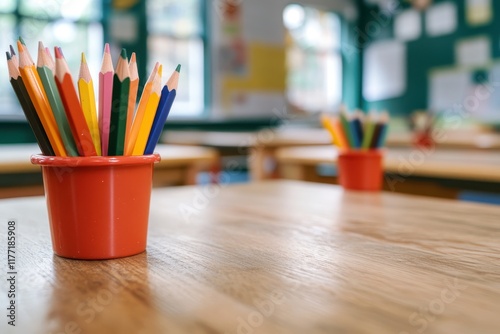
<point>249,65</point>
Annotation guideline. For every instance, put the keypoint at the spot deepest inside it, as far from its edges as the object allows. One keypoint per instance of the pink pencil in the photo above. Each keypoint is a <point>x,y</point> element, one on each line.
<point>105,98</point>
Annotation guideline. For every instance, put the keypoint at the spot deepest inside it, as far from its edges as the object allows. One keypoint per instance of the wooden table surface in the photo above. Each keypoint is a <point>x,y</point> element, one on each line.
<point>15,158</point>
<point>273,257</point>
<point>440,163</point>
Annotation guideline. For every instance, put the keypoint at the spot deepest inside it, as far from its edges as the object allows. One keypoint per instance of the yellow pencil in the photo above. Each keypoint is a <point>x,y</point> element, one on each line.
<point>88,103</point>
<point>149,116</point>
<point>37,95</point>
<point>141,109</point>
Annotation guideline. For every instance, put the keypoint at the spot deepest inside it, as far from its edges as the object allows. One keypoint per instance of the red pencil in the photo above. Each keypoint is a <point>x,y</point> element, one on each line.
<point>76,118</point>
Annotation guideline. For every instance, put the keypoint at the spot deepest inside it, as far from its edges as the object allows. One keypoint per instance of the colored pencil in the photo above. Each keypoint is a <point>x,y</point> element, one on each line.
<point>88,102</point>
<point>357,123</point>
<point>132,97</point>
<point>346,125</point>
<point>369,130</point>
<point>13,56</point>
<point>50,87</point>
<point>144,103</point>
<point>119,108</point>
<point>105,97</point>
<point>28,107</point>
<point>52,64</point>
<point>167,98</point>
<point>384,120</point>
<point>341,135</point>
<point>74,112</point>
<point>149,115</point>
<point>26,50</point>
<point>37,95</point>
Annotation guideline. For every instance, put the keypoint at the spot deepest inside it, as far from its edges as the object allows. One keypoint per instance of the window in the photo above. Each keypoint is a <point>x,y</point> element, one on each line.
<point>314,61</point>
<point>73,25</point>
<point>176,35</point>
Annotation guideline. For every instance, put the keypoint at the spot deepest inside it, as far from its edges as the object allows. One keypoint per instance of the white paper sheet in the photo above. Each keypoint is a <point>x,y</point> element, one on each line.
<point>384,70</point>
<point>408,25</point>
<point>473,51</point>
<point>478,12</point>
<point>441,19</point>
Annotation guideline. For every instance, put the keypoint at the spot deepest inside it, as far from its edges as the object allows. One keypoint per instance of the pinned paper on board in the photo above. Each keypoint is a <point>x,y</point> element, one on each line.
<point>447,88</point>
<point>384,74</point>
<point>478,12</point>
<point>441,19</point>
<point>473,51</point>
<point>407,25</point>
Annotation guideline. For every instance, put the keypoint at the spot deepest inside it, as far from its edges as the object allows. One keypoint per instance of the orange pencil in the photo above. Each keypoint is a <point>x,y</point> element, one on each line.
<point>76,118</point>
<point>37,95</point>
<point>141,111</point>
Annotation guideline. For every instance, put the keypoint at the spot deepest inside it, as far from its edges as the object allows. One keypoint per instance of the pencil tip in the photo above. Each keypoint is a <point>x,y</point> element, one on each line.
<point>123,54</point>
<point>160,70</point>
<point>58,52</point>
<point>106,48</point>
<point>84,61</point>
<point>178,69</point>
<point>21,40</point>
<point>132,57</point>
<point>41,48</point>
<point>20,46</point>
<point>8,55</point>
<point>12,52</point>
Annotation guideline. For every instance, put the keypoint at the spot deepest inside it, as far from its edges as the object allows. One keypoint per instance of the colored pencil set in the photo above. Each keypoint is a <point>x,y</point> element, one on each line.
<point>69,122</point>
<point>357,130</point>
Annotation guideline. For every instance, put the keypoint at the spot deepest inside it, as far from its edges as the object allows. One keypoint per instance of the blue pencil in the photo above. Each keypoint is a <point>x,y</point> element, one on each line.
<point>167,98</point>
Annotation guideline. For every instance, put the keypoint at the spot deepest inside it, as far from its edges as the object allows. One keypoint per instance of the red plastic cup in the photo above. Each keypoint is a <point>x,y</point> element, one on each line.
<point>360,170</point>
<point>98,206</point>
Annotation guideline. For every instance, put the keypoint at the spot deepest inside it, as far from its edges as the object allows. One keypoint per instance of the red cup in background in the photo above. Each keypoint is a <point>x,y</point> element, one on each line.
<point>98,206</point>
<point>360,169</point>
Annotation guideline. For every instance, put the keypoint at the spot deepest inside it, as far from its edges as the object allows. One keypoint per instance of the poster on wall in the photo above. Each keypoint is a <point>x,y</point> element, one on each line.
<point>384,70</point>
<point>478,12</point>
<point>441,19</point>
<point>233,54</point>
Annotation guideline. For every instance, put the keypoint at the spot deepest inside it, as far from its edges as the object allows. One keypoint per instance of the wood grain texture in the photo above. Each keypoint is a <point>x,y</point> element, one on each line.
<point>274,257</point>
<point>441,163</point>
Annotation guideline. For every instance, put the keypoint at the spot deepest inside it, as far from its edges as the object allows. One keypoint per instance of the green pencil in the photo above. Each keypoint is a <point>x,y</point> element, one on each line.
<point>369,130</point>
<point>50,87</point>
<point>119,106</point>
<point>28,108</point>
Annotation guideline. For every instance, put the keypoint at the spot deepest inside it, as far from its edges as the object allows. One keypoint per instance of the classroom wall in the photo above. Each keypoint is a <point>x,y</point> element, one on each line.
<point>435,77</point>
<point>257,88</point>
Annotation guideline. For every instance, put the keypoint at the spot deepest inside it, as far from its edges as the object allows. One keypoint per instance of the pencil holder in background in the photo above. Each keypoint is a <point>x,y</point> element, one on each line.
<point>360,169</point>
<point>98,206</point>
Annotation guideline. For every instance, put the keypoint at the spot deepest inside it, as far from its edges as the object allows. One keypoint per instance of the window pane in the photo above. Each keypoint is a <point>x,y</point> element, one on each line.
<point>72,38</point>
<point>7,5</point>
<point>68,9</point>
<point>8,100</point>
<point>175,18</point>
<point>188,53</point>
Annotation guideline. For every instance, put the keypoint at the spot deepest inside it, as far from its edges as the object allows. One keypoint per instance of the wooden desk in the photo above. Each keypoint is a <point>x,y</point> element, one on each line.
<point>301,163</point>
<point>260,147</point>
<point>179,165</point>
<point>276,257</point>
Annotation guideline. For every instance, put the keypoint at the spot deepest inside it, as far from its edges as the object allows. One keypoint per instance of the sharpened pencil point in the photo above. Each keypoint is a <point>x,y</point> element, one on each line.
<point>106,48</point>
<point>12,52</point>
<point>20,46</point>
<point>8,55</point>
<point>84,61</point>
<point>178,69</point>
<point>132,57</point>
<point>58,52</point>
<point>123,54</point>
<point>160,70</point>
<point>21,40</point>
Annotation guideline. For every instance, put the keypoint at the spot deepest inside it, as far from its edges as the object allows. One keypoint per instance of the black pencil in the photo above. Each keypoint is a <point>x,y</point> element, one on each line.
<point>28,108</point>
